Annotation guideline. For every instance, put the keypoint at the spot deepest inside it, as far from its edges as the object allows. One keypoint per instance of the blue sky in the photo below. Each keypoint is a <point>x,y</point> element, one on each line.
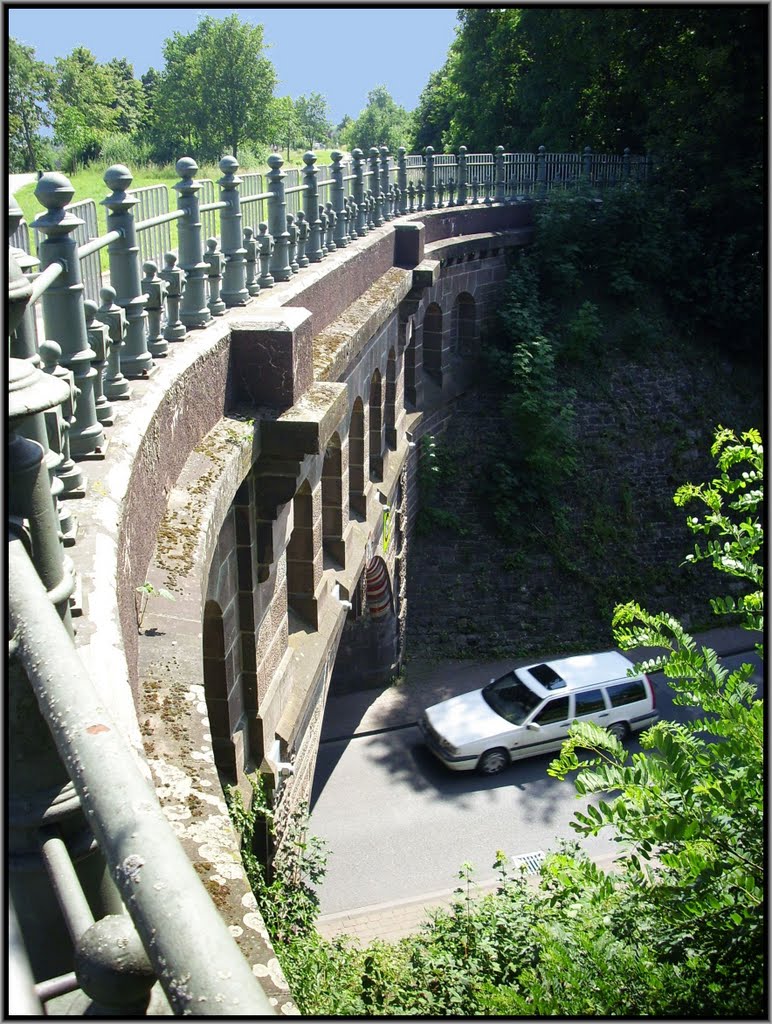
<point>341,52</point>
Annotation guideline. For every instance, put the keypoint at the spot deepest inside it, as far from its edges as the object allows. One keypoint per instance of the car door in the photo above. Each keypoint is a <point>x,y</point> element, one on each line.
<point>545,731</point>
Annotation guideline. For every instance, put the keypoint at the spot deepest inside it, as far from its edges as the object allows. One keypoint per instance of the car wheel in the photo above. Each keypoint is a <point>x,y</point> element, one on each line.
<point>493,761</point>
<point>618,729</point>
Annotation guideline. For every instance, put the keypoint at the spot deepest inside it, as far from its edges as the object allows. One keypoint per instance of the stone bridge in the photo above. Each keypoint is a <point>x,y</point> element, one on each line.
<point>243,529</point>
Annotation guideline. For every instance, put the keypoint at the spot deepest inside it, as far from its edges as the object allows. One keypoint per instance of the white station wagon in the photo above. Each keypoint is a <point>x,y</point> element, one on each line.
<point>528,710</point>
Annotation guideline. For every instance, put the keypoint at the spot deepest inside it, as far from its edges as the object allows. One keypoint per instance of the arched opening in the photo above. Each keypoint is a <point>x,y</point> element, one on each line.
<point>356,460</point>
<point>378,589</point>
<point>333,512</point>
<point>390,408</point>
<point>432,343</point>
<point>376,424</point>
<point>464,326</point>
<point>301,567</point>
<point>216,693</point>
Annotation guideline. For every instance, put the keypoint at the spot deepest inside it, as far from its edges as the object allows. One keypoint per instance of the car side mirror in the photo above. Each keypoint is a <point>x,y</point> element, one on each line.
<point>533,725</point>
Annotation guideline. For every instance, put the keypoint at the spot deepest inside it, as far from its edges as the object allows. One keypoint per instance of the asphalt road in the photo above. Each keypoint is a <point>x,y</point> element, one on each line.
<point>398,825</point>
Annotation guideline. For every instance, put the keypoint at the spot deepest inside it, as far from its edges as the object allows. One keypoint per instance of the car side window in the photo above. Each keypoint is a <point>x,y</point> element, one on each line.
<point>628,692</point>
<point>589,702</point>
<point>555,711</point>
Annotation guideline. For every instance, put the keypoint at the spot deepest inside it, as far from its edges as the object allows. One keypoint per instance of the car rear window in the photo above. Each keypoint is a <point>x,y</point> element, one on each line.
<point>628,692</point>
<point>588,702</point>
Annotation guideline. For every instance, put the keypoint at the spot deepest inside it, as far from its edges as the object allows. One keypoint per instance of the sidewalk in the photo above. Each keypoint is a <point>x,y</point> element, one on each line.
<point>397,706</point>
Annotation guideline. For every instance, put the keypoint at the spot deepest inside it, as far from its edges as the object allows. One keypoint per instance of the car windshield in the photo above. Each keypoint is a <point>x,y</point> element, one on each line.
<point>511,698</point>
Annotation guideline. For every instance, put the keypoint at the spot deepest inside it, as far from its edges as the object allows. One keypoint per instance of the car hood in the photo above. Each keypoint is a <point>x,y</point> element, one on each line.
<point>466,719</point>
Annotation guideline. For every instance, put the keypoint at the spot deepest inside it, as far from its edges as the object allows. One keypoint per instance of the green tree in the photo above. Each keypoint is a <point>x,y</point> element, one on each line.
<point>283,130</point>
<point>214,90</point>
<point>84,102</point>
<point>313,118</point>
<point>29,88</point>
<point>382,123</point>
<point>130,102</point>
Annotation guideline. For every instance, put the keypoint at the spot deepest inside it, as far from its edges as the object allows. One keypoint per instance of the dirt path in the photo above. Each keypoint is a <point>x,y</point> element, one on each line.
<point>17,181</point>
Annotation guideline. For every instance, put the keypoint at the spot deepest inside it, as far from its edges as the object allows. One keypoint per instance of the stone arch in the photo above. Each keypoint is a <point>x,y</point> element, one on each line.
<point>432,342</point>
<point>301,569</point>
<point>356,459</point>
<point>390,406</point>
<point>376,427</point>
<point>333,511</point>
<point>464,324</point>
<point>216,692</point>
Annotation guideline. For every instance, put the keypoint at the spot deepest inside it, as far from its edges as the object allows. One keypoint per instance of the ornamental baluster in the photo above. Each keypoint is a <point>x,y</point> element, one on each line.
<point>59,422</point>
<point>374,187</point>
<point>541,172</point>
<point>440,194</point>
<point>277,220</point>
<point>410,197</point>
<point>233,290</point>
<point>24,340</point>
<point>194,311</point>
<point>250,262</point>
<point>332,220</point>
<point>429,173</point>
<point>302,229</point>
<point>323,228</point>
<point>351,214</point>
<point>359,193</point>
<point>626,163</point>
<point>98,339</point>
<point>174,277</point>
<point>384,153</point>
<point>63,314</point>
<point>462,180</point>
<point>155,288</point>
<point>370,210</point>
<point>402,178</point>
<point>292,252</point>
<point>499,195</point>
<point>340,237</point>
<point>488,199</point>
<point>125,271</point>
<point>265,245</point>
<point>421,194</point>
<point>214,261</point>
<point>114,318</point>
<point>314,250</point>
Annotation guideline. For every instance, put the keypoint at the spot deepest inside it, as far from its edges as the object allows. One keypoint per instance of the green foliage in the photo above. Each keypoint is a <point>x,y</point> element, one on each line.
<point>285,895</point>
<point>214,91</point>
<point>437,467</point>
<point>382,123</point>
<point>29,86</point>
<point>313,118</point>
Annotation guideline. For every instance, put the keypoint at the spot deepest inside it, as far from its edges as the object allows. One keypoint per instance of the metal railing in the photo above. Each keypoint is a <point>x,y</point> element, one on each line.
<point>186,942</point>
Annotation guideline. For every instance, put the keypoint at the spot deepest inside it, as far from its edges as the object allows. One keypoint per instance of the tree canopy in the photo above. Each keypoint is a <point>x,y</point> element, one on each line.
<point>382,123</point>
<point>29,86</point>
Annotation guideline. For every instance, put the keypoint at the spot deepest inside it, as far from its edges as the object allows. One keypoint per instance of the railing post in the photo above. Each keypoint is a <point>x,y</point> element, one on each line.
<point>155,288</point>
<point>292,252</point>
<point>429,179</point>
<point>125,270</point>
<point>541,171</point>
<point>214,261</point>
<point>234,291</point>
<point>332,220</point>
<point>359,192</point>
<point>386,213</point>
<point>587,163</point>
<point>63,313</point>
<point>375,187</point>
<point>311,202</point>
<point>337,189</point>
<point>31,393</point>
<point>626,163</point>
<point>265,245</point>
<point>324,229</point>
<point>98,339</point>
<point>194,311</point>
<point>402,178</point>
<point>498,192</point>
<point>174,277</point>
<point>23,343</point>
<point>462,180</point>
<point>59,424</point>
<point>302,227</point>
<point>116,387</point>
<point>277,220</point>
<point>250,248</point>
